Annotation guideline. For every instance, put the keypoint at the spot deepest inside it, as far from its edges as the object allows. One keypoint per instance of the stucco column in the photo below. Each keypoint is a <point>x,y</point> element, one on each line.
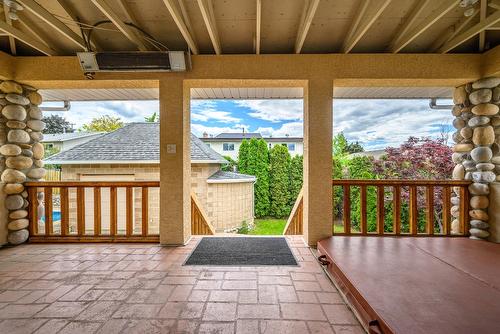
<point>175,163</point>
<point>318,113</point>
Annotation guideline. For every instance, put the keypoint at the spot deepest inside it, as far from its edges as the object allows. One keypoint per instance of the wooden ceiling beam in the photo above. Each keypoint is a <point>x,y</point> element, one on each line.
<point>207,12</point>
<point>182,24</point>
<point>309,11</point>
<point>51,20</point>
<point>409,21</point>
<point>429,20</point>
<point>483,7</point>
<point>107,10</point>
<point>12,41</point>
<point>495,4</point>
<point>258,23</point>
<point>71,13</point>
<point>31,27</point>
<point>454,30</point>
<point>490,21</point>
<point>26,39</point>
<point>362,23</point>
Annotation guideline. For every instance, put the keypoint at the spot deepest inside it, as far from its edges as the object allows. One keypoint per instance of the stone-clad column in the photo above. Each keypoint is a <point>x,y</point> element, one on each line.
<point>21,152</point>
<point>477,150</point>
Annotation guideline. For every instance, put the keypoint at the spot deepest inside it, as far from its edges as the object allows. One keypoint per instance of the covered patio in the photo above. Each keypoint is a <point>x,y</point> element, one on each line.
<point>124,277</point>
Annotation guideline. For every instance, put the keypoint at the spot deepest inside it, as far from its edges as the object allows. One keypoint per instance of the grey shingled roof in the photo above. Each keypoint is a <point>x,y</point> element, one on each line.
<point>133,142</point>
<point>55,137</point>
<point>241,135</point>
<point>230,176</point>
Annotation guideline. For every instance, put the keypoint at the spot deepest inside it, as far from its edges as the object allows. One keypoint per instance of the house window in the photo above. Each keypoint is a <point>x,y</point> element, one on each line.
<point>228,147</point>
<point>291,147</point>
<point>207,144</point>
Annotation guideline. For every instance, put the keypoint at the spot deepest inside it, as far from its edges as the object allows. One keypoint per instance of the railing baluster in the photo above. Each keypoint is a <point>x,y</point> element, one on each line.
<point>113,219</point>
<point>80,208</point>
<point>429,198</point>
<point>347,209</point>
<point>33,210</point>
<point>129,211</point>
<point>363,218</point>
<point>446,210</point>
<point>464,212</point>
<point>48,210</point>
<point>380,210</point>
<point>64,211</point>
<point>413,210</point>
<point>145,211</point>
<point>97,211</point>
<point>396,209</point>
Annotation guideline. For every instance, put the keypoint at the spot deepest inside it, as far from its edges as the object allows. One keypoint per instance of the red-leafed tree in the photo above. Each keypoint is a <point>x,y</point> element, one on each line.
<point>418,158</point>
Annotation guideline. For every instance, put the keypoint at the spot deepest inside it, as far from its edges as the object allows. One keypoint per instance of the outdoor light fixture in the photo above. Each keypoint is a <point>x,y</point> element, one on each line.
<point>14,7</point>
<point>467,3</point>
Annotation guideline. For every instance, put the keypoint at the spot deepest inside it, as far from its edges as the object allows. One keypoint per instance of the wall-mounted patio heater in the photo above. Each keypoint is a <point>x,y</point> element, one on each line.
<point>136,61</point>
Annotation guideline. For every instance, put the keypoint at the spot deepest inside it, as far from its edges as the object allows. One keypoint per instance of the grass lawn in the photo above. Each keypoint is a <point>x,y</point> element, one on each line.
<point>268,226</point>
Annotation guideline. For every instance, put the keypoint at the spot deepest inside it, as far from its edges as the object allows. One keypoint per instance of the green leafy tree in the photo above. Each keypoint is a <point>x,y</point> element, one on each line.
<point>152,119</point>
<point>339,145</point>
<point>104,123</point>
<point>231,165</point>
<point>296,177</point>
<point>243,156</point>
<point>57,124</point>
<point>279,186</point>
<point>354,147</point>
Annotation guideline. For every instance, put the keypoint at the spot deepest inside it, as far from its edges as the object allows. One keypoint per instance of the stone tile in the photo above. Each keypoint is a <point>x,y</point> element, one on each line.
<point>307,297</point>
<point>12,295</point>
<point>267,294</point>
<point>160,294</point>
<point>148,326</point>
<point>239,285</point>
<point>113,326</point>
<point>247,326</point>
<point>75,293</point>
<point>80,327</point>
<point>220,312</point>
<point>183,310</point>
<point>20,326</point>
<point>91,295</point>
<point>56,294</point>
<point>20,311</point>
<point>279,280</point>
<point>295,311</point>
<point>208,285</point>
<point>247,297</point>
<point>258,311</point>
<point>215,275</point>
<point>240,275</point>
<point>181,293</point>
<point>62,310</point>
<point>216,328</point>
<point>179,280</point>
<point>32,297</point>
<point>137,311</point>
<point>329,298</point>
<point>286,294</point>
<point>199,296</point>
<point>99,311</point>
<point>307,286</point>
<point>282,327</point>
<point>52,326</point>
<point>319,327</point>
<point>303,277</point>
<point>339,314</point>
<point>223,296</point>
<point>342,329</point>
<point>116,294</point>
<point>186,326</point>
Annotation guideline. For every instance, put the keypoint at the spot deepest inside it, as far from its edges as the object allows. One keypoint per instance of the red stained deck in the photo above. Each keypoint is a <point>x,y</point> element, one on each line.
<point>419,285</point>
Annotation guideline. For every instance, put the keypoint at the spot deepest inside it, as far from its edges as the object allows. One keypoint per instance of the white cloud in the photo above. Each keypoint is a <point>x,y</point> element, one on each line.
<point>206,110</point>
<point>273,110</point>
<point>292,129</point>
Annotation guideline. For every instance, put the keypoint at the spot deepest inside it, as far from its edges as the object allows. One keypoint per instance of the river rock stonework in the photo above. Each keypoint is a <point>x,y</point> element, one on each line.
<point>477,149</point>
<point>20,152</point>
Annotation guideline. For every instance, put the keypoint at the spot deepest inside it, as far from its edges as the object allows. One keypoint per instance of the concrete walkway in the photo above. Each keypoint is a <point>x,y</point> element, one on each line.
<point>143,288</point>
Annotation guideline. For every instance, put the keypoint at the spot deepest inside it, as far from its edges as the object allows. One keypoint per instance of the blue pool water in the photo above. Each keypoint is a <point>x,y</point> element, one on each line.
<point>56,216</point>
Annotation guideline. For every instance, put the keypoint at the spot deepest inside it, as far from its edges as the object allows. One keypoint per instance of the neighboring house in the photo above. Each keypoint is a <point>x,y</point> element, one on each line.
<point>59,142</point>
<point>228,144</point>
<point>375,154</point>
<point>132,153</point>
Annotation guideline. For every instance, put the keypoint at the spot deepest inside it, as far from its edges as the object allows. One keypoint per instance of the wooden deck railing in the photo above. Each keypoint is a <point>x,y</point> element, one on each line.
<point>86,211</point>
<point>295,222</point>
<point>416,208</point>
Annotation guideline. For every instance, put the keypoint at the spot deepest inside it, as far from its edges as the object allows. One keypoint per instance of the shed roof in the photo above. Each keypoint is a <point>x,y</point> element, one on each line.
<point>134,143</point>
<point>61,137</point>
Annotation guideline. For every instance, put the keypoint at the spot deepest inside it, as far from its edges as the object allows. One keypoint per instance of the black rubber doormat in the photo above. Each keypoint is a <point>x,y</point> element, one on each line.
<point>242,251</point>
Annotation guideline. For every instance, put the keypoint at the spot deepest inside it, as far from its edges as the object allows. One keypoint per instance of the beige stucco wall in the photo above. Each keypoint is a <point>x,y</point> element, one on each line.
<point>494,212</point>
<point>227,205</point>
<point>230,204</point>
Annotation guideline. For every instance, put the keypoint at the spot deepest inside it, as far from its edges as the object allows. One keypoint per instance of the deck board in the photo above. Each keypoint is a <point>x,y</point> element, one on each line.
<point>421,285</point>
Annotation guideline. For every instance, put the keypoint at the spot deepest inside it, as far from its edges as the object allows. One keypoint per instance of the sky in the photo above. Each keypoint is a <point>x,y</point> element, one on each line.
<point>376,124</point>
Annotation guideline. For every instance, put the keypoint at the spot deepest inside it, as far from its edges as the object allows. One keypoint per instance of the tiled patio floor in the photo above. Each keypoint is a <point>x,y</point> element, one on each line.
<point>143,288</point>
